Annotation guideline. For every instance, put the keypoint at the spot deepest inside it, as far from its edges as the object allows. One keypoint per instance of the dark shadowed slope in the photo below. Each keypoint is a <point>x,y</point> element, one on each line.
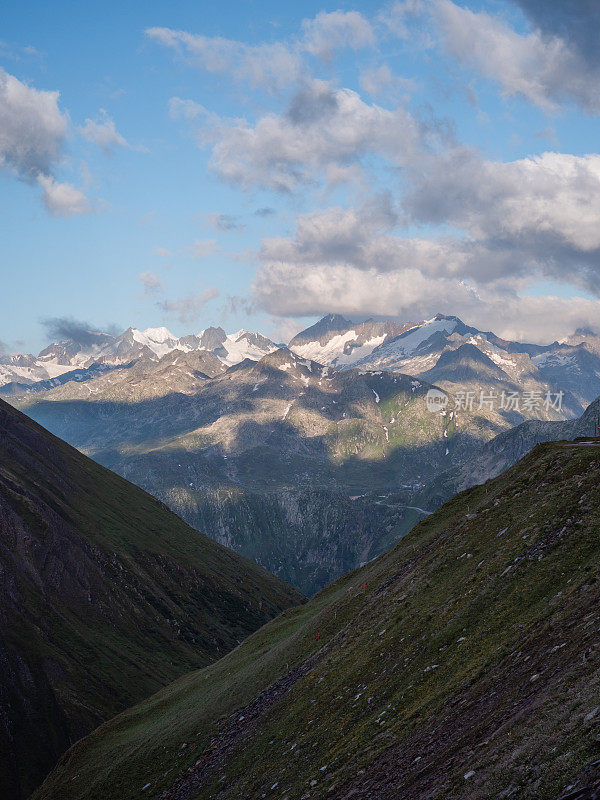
<point>105,596</point>
<point>463,664</point>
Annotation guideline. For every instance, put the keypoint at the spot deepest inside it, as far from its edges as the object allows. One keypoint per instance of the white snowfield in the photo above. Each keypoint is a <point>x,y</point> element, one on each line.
<point>407,343</point>
<point>160,340</point>
<point>238,348</point>
<point>332,352</point>
<point>234,349</point>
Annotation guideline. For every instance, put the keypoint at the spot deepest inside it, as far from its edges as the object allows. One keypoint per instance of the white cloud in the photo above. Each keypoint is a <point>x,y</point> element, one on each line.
<point>399,17</point>
<point>532,217</point>
<point>188,308</point>
<point>103,133</point>
<point>151,282</point>
<point>336,30</point>
<point>32,128</point>
<point>284,152</point>
<point>63,199</point>
<point>381,80</point>
<point>543,210</point>
<point>523,221</point>
<point>292,290</point>
<point>33,131</point>
<point>271,66</point>
<point>543,68</point>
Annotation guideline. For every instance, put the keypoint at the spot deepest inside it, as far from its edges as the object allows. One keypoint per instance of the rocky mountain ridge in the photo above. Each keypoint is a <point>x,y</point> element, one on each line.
<point>21,373</point>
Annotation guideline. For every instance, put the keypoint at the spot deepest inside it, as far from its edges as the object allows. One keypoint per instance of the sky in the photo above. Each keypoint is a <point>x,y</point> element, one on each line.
<point>261,164</point>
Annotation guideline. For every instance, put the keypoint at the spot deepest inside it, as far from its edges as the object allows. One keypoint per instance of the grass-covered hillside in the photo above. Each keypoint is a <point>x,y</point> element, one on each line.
<point>463,664</point>
<point>105,596</point>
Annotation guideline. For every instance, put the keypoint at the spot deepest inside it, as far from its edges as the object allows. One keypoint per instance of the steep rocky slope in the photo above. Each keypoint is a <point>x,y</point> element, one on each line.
<point>302,468</point>
<point>462,664</point>
<point>105,596</point>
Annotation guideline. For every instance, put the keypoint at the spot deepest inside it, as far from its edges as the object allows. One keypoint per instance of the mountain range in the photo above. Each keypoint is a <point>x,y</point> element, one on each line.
<point>571,366</point>
<point>462,664</point>
<point>469,627</point>
<point>428,349</point>
<point>309,468</point>
<point>94,350</point>
<point>105,596</point>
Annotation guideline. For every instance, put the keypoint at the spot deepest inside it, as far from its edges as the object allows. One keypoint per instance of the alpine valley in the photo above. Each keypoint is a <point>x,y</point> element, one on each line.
<point>314,458</point>
<point>462,664</point>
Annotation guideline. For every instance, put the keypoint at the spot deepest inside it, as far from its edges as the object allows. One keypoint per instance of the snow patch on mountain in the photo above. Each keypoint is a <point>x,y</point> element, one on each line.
<point>160,340</point>
<point>239,346</point>
<point>408,342</point>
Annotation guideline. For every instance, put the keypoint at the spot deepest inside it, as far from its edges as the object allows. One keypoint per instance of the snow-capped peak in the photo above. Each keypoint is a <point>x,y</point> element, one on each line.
<point>158,335</point>
<point>237,335</point>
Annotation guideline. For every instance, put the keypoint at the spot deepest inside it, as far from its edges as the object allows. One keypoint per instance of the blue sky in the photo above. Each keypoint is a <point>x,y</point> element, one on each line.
<point>260,164</point>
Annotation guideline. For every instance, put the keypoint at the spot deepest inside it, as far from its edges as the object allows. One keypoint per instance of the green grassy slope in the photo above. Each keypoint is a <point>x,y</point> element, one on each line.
<point>463,664</point>
<point>105,596</point>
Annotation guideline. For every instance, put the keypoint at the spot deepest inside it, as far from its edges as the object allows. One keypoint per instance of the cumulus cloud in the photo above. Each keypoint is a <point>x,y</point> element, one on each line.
<point>521,221</point>
<point>381,80</point>
<point>312,104</point>
<point>289,290</point>
<point>103,132</point>
<point>537,216</point>
<point>542,211</point>
<point>272,66</point>
<point>32,128</point>
<point>285,152</point>
<point>63,199</point>
<point>542,66</point>
<point>577,22</point>
<point>400,17</point>
<point>188,308</point>
<point>151,282</point>
<point>33,132</point>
